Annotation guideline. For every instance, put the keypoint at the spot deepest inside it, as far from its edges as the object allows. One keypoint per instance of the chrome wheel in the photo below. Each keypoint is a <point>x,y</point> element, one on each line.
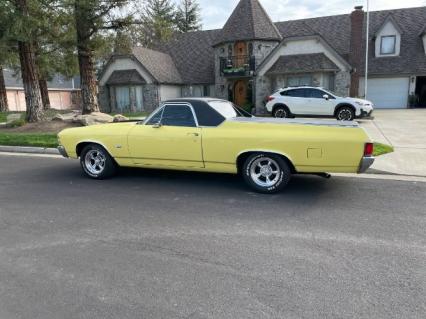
<point>265,172</point>
<point>344,114</point>
<point>94,161</point>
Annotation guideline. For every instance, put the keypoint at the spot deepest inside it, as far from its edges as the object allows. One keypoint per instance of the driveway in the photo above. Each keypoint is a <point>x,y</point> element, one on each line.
<point>405,130</point>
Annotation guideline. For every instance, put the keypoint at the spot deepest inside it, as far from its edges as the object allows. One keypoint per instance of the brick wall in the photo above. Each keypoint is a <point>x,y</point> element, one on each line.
<point>356,48</point>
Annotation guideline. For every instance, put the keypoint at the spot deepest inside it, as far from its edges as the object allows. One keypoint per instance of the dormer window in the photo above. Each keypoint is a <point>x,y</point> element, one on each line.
<point>388,44</point>
<point>388,38</point>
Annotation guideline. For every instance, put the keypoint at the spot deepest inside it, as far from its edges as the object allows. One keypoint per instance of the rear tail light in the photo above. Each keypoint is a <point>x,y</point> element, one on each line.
<point>368,149</point>
<point>270,98</point>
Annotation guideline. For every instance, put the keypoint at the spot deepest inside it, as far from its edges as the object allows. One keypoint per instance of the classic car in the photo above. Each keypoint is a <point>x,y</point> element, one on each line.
<point>212,135</point>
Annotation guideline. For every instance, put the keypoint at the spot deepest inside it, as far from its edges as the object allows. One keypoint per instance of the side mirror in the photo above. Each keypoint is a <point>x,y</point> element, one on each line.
<point>157,125</point>
<point>326,97</point>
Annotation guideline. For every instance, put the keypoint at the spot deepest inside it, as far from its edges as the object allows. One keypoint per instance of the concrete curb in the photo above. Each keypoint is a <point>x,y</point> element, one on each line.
<point>29,150</point>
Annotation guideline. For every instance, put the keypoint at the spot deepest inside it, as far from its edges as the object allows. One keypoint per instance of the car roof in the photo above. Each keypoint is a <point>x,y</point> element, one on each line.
<point>191,99</point>
<point>301,87</point>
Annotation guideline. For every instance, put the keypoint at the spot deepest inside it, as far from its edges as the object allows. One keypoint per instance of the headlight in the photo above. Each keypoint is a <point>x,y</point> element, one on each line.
<point>359,103</point>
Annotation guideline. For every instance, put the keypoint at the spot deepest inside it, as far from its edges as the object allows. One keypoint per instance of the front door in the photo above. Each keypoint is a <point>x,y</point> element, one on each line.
<point>240,53</point>
<point>170,138</point>
<point>240,93</point>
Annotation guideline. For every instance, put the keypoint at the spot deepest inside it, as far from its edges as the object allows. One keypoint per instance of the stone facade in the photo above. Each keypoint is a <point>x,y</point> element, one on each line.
<point>151,98</point>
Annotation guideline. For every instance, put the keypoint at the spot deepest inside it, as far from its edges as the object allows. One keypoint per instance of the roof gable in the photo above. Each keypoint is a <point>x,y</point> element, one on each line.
<point>160,65</point>
<point>248,21</point>
<point>302,63</point>
<point>389,19</point>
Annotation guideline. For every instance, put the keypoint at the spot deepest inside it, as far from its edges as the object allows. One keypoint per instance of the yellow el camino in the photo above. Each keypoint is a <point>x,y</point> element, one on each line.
<point>213,135</point>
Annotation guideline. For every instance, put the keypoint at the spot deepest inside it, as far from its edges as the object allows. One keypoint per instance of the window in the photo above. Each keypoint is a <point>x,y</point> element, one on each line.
<point>178,115</point>
<point>294,93</point>
<point>299,80</point>
<point>206,90</point>
<point>387,44</point>
<point>316,94</point>
<point>156,118</point>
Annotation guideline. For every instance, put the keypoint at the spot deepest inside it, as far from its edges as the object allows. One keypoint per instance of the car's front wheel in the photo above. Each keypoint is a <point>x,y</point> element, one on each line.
<point>281,112</point>
<point>266,173</point>
<point>96,162</point>
<point>345,113</point>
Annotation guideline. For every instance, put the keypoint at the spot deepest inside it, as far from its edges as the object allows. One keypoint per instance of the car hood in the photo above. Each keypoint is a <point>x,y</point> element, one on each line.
<point>315,122</point>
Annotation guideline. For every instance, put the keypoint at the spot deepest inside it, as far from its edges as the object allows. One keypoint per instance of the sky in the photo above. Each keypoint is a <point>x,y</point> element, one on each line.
<point>215,12</point>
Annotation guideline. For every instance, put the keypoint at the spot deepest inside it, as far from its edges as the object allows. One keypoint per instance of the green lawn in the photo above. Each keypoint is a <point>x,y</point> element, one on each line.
<point>3,115</point>
<point>29,139</point>
<point>381,149</point>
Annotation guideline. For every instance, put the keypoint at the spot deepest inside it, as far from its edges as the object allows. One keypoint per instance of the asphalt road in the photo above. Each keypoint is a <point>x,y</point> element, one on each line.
<point>150,244</point>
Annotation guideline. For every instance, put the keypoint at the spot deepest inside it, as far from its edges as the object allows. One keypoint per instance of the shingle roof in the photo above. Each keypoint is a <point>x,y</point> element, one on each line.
<point>302,63</point>
<point>193,52</point>
<point>125,77</point>
<point>160,65</point>
<point>193,55</point>
<point>412,58</point>
<point>13,80</point>
<point>249,21</point>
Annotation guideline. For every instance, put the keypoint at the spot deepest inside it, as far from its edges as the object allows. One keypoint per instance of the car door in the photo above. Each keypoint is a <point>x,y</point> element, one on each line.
<point>295,100</point>
<point>317,104</point>
<point>170,138</point>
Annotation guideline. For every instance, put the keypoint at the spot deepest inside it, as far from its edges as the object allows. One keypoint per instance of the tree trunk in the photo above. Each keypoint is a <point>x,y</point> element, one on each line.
<point>44,93</point>
<point>4,107</point>
<point>88,81</point>
<point>85,60</point>
<point>29,74</point>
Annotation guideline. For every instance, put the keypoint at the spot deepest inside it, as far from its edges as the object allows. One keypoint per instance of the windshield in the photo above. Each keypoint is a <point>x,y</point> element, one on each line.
<point>227,109</point>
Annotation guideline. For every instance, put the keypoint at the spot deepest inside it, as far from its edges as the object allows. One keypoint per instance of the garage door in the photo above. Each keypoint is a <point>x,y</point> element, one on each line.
<point>388,92</point>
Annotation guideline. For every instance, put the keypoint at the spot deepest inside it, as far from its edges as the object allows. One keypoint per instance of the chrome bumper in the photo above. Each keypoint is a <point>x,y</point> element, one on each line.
<point>62,151</point>
<point>366,162</point>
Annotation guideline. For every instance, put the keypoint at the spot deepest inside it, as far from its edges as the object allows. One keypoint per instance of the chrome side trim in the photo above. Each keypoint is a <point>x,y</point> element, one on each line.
<point>62,151</point>
<point>365,164</point>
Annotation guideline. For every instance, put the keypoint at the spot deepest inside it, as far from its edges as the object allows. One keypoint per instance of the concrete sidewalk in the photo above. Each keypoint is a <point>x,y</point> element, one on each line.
<point>405,130</point>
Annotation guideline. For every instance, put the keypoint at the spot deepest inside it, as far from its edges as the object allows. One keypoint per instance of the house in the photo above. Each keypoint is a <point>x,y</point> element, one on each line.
<point>63,92</point>
<point>251,57</point>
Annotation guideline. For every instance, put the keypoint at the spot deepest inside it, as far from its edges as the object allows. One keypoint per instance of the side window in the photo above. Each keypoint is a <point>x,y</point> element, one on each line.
<point>296,93</point>
<point>316,94</point>
<point>178,115</point>
<point>156,118</point>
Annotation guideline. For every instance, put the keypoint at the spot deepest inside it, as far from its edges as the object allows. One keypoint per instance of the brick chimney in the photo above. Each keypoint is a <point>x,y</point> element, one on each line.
<point>356,52</point>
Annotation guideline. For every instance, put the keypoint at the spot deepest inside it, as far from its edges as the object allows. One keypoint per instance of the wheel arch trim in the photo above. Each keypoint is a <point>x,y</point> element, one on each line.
<point>275,152</point>
<point>340,105</point>
<point>77,152</point>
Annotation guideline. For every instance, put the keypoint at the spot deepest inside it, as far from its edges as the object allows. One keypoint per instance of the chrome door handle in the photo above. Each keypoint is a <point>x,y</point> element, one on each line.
<point>194,134</point>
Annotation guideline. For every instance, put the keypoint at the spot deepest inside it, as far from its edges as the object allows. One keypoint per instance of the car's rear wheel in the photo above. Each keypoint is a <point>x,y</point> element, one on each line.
<point>281,112</point>
<point>345,113</point>
<point>96,162</point>
<point>266,173</point>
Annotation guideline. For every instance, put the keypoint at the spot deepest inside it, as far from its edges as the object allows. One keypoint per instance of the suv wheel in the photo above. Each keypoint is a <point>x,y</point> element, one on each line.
<point>281,112</point>
<point>345,113</point>
<point>266,173</point>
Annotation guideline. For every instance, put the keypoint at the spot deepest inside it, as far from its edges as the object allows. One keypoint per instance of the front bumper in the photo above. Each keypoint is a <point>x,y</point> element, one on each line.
<point>365,164</point>
<point>62,151</point>
<point>365,113</point>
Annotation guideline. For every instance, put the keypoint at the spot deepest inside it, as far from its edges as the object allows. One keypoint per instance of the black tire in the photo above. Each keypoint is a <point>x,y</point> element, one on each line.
<point>106,165</point>
<point>279,180</point>
<point>281,112</point>
<point>345,113</point>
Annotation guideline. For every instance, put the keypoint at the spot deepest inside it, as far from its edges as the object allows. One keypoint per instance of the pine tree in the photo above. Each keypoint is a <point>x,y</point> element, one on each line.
<point>91,18</point>
<point>188,16</point>
<point>156,24</point>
